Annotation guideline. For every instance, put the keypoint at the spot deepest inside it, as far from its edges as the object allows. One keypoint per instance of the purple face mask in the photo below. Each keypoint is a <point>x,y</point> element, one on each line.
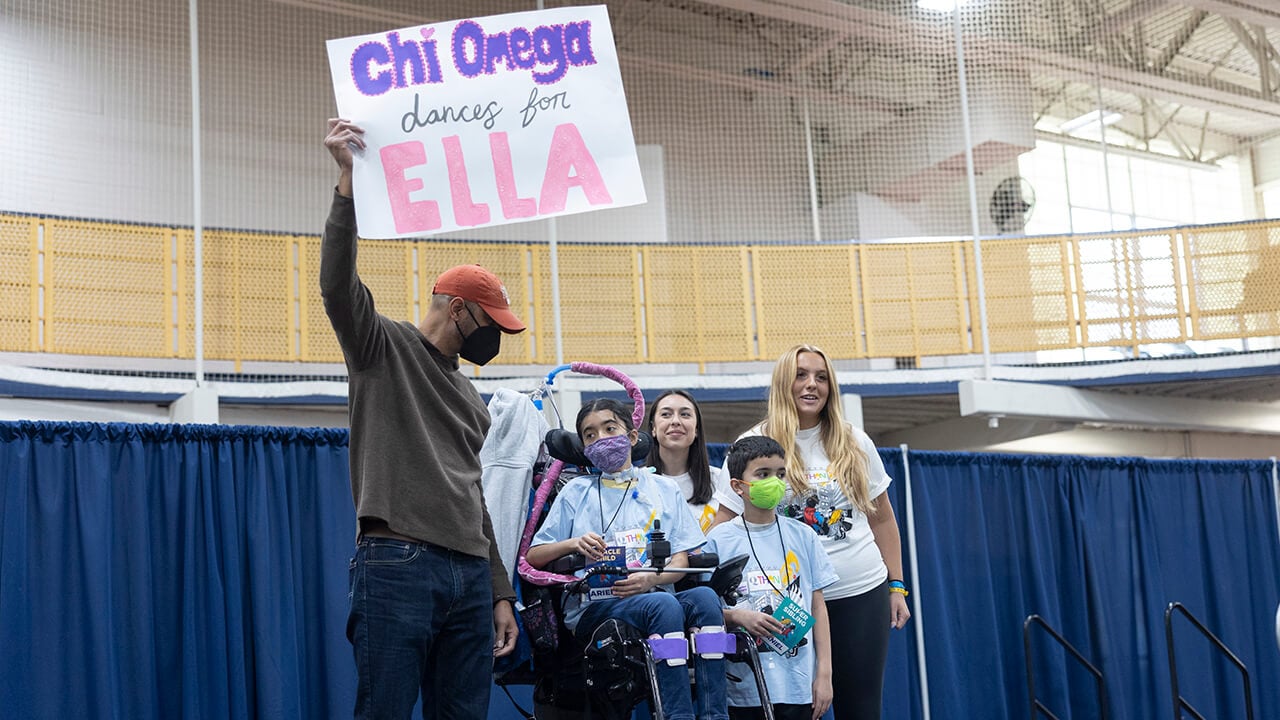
<point>609,454</point>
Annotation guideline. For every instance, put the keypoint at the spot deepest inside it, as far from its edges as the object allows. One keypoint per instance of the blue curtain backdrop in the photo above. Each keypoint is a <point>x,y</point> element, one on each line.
<point>174,572</point>
<point>201,572</point>
<point>1098,547</point>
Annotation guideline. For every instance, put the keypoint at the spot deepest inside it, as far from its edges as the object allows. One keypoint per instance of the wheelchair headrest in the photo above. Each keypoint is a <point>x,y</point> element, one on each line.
<point>566,446</point>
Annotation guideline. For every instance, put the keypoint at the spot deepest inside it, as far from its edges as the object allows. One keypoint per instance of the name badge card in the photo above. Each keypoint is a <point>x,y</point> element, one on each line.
<point>796,621</point>
<point>486,121</point>
<point>600,587</point>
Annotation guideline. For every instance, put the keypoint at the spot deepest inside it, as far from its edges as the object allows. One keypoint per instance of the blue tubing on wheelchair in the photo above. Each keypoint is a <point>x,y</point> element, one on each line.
<point>549,381</point>
<point>551,376</point>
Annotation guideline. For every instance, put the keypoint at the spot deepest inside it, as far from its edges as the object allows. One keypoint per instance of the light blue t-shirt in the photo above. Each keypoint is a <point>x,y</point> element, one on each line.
<point>803,569</point>
<point>621,508</point>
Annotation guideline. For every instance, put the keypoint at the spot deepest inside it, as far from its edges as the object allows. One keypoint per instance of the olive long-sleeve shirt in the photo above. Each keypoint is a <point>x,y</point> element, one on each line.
<point>416,423</point>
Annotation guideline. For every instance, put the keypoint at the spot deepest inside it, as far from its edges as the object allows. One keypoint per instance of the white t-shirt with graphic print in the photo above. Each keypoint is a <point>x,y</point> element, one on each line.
<point>703,514</point>
<point>842,528</point>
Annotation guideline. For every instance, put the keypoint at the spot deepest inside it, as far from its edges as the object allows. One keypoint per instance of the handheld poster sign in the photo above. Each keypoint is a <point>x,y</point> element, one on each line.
<point>486,121</point>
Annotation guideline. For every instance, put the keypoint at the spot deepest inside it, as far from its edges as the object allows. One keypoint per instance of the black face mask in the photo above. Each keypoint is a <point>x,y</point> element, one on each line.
<point>482,344</point>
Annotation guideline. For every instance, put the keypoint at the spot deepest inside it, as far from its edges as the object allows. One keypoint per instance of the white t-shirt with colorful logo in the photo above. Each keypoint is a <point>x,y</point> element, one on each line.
<point>842,529</point>
<point>703,514</point>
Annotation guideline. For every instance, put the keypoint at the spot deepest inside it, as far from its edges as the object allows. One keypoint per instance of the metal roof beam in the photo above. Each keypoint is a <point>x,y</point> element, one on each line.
<point>1245,145</point>
<point>1180,89</point>
<point>765,86</point>
<point>1174,136</point>
<point>830,15</point>
<point>1258,48</point>
<point>913,37</point>
<point>1177,42</point>
<point>816,54</point>
<point>1129,152</point>
<point>1118,22</point>
<point>1257,12</point>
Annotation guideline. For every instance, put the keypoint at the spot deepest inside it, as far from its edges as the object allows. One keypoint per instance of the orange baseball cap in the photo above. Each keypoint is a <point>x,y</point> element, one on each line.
<point>474,283</point>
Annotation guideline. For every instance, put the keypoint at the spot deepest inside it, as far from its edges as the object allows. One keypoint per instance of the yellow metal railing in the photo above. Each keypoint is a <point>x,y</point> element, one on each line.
<point>98,288</point>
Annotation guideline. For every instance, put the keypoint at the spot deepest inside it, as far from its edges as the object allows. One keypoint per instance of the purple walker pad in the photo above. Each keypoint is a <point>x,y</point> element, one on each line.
<point>715,642</point>
<point>669,648</point>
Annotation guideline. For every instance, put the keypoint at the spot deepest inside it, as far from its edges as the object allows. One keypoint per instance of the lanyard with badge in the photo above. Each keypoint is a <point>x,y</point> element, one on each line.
<point>600,587</point>
<point>796,621</point>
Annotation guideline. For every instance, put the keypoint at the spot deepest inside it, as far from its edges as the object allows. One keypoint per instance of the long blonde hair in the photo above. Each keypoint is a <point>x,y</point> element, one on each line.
<point>849,464</point>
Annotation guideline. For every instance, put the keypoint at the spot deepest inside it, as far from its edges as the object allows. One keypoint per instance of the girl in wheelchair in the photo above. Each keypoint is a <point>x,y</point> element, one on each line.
<point>607,517</point>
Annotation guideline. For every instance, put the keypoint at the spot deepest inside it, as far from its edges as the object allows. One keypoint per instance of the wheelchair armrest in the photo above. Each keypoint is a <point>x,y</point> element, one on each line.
<point>702,561</point>
<point>728,576</point>
<point>706,560</point>
<point>567,564</point>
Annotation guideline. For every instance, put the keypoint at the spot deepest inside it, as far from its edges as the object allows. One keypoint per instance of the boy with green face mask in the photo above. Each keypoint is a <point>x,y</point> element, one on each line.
<point>782,584</point>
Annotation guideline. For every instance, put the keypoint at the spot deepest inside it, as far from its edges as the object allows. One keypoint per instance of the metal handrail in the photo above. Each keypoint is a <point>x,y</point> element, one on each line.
<point>1180,703</point>
<point>1037,707</point>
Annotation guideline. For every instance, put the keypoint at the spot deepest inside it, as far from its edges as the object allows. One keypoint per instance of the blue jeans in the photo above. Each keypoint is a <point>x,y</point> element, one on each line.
<point>661,613</point>
<point>421,619</point>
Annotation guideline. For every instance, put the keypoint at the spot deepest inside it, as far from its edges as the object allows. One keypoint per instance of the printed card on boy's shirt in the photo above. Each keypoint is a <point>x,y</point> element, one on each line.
<point>784,608</point>
<point>758,583</point>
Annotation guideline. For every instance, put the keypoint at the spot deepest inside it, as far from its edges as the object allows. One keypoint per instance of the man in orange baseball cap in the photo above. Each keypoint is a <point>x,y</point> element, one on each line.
<point>431,602</point>
<point>472,283</point>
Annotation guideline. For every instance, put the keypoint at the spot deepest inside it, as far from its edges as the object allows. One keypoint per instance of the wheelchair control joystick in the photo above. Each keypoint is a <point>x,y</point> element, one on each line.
<point>658,548</point>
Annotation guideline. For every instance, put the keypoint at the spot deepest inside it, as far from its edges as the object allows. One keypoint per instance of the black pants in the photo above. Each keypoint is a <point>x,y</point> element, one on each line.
<point>859,646</point>
<point>781,711</point>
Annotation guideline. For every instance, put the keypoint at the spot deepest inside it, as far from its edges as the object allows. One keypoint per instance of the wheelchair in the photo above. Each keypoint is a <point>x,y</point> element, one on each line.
<point>610,673</point>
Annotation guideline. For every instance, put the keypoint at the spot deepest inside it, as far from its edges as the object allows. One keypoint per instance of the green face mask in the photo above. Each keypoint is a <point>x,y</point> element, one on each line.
<point>767,493</point>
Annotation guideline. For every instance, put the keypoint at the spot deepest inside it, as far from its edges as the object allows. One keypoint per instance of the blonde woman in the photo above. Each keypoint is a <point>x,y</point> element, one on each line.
<point>836,485</point>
